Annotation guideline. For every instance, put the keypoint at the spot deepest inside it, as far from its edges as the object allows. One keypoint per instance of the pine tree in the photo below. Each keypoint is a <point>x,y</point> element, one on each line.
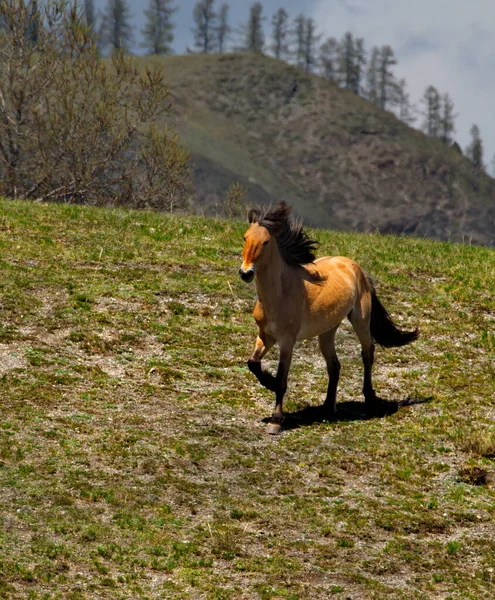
<point>299,32</point>
<point>280,34</point>
<point>205,30</point>
<point>158,31</point>
<point>351,62</point>
<point>33,29</point>
<point>310,42</point>
<point>255,38</point>
<point>329,59</point>
<point>90,19</point>
<point>431,113</point>
<point>359,64</point>
<point>386,80</point>
<point>475,149</point>
<point>346,61</point>
<point>223,29</point>
<point>372,76</point>
<point>89,14</point>
<point>116,29</point>
<point>405,110</point>
<point>447,126</point>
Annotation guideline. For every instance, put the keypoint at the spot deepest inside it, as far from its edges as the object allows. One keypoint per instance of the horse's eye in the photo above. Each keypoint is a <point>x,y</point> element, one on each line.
<point>244,238</point>
<point>265,243</point>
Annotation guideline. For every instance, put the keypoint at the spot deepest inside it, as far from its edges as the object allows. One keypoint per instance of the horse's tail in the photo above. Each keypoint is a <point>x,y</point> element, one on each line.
<point>383,329</point>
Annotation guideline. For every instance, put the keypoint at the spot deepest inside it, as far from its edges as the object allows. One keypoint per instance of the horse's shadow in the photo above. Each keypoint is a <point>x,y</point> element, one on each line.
<point>346,411</point>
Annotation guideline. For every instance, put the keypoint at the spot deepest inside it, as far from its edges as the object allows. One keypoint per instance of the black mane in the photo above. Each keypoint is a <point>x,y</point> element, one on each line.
<point>294,244</point>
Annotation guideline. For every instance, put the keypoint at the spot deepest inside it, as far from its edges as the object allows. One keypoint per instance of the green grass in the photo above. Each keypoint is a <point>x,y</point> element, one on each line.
<point>133,458</point>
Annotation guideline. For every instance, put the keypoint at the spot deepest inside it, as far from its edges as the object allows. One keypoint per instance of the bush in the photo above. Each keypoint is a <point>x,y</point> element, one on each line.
<point>232,205</point>
<point>78,128</point>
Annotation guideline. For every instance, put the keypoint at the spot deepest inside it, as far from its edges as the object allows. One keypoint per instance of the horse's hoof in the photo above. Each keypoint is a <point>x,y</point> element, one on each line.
<point>274,428</point>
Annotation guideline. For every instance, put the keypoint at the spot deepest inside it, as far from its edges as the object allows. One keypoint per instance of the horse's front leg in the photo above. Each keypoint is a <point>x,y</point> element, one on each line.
<point>286,348</point>
<point>261,347</point>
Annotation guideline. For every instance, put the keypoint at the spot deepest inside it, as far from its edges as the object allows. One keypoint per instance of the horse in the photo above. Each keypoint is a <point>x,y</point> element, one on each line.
<point>300,297</point>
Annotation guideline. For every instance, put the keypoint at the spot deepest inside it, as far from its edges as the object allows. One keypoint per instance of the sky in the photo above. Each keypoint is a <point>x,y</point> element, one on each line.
<point>446,43</point>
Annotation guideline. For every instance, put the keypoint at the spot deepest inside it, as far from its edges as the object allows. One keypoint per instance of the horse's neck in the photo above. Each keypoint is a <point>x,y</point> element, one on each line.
<point>273,283</point>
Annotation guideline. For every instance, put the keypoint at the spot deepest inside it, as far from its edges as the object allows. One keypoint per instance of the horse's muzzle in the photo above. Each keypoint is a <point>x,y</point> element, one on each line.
<point>246,276</point>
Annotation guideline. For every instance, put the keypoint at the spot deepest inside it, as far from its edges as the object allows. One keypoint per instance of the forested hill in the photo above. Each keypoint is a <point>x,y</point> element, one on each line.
<point>343,162</point>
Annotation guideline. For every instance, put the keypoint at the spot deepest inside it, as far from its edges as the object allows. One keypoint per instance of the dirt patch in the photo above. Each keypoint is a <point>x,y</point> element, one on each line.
<point>11,357</point>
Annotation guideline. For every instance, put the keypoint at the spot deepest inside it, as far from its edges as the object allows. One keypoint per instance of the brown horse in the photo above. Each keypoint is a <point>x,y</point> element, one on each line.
<point>300,298</point>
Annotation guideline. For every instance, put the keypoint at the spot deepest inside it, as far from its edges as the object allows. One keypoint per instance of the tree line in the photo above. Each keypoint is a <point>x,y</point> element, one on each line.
<point>345,62</point>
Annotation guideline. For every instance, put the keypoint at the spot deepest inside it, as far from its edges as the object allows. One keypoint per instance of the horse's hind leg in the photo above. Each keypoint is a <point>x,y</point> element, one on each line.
<point>327,347</point>
<point>361,325</point>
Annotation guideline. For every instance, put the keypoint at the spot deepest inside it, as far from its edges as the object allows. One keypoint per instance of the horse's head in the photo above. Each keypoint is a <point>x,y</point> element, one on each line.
<point>266,225</point>
<point>256,250</point>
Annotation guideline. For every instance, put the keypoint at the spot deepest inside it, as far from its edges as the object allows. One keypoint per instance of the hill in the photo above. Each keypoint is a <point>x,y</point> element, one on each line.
<point>133,458</point>
<point>344,163</point>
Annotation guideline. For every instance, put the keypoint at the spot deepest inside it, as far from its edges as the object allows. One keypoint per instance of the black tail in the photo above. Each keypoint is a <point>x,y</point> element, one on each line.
<point>383,329</point>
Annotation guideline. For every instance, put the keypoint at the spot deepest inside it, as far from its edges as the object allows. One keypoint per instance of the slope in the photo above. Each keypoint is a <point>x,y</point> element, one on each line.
<point>133,458</point>
<point>340,160</point>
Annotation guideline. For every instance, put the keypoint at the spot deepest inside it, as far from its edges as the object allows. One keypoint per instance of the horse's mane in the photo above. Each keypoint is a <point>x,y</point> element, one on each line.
<point>295,246</point>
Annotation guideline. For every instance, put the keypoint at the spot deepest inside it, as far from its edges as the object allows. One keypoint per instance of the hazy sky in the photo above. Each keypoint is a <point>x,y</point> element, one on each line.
<point>447,43</point>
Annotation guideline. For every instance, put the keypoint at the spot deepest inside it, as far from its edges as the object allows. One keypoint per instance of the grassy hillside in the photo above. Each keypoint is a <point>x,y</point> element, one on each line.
<point>133,458</point>
<point>343,162</point>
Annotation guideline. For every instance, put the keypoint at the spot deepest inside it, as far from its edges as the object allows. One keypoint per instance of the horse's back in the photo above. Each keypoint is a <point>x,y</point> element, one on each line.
<point>341,268</point>
<point>344,278</point>
<point>331,300</point>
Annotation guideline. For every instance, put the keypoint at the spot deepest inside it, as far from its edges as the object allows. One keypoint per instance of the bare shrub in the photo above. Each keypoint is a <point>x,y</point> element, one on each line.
<point>232,205</point>
<point>78,128</point>
<point>164,165</point>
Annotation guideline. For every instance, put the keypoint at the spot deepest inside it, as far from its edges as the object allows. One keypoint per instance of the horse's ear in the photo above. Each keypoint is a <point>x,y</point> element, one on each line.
<point>253,215</point>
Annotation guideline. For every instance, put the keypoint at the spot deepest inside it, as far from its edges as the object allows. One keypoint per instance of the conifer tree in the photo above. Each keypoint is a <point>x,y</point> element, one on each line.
<point>116,30</point>
<point>310,44</point>
<point>280,34</point>
<point>386,79</point>
<point>475,149</point>
<point>372,90</point>
<point>405,110</point>
<point>328,59</point>
<point>223,29</point>
<point>299,33</point>
<point>158,31</point>
<point>359,65</point>
<point>255,38</point>
<point>33,28</point>
<point>346,61</point>
<point>352,60</point>
<point>89,14</point>
<point>447,126</point>
<point>431,113</point>
<point>205,30</point>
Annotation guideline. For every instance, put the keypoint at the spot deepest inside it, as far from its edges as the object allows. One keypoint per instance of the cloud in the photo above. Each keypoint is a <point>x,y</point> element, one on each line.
<point>446,43</point>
